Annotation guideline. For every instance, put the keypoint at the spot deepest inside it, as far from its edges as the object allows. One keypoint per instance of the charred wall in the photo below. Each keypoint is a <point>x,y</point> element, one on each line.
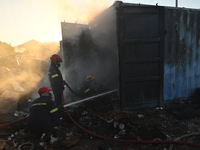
<point>181,53</point>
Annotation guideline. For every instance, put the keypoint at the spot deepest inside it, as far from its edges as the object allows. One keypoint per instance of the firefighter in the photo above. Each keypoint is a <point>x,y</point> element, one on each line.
<point>44,116</point>
<point>56,79</point>
<point>86,86</point>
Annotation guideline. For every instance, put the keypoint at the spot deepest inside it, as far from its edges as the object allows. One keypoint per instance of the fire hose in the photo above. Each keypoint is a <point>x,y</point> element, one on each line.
<point>72,90</point>
<point>13,122</point>
<point>22,119</point>
<point>121,140</point>
<point>113,139</point>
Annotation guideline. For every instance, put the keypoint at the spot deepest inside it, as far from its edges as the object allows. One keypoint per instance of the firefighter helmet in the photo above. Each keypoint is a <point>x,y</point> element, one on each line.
<point>55,58</point>
<point>89,77</point>
<point>43,89</point>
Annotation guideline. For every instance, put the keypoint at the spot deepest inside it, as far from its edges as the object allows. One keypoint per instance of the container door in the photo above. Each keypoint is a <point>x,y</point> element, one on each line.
<point>140,52</point>
<point>71,33</point>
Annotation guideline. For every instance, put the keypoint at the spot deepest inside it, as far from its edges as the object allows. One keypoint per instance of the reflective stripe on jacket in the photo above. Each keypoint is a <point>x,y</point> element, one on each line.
<point>43,115</point>
<point>55,77</point>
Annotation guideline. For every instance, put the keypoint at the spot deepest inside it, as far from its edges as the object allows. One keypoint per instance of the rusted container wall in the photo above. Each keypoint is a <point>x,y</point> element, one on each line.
<point>181,53</point>
<point>140,48</point>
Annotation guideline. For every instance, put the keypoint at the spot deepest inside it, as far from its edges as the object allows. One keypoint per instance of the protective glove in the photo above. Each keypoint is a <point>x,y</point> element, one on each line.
<point>61,109</point>
<point>63,88</point>
<point>64,83</point>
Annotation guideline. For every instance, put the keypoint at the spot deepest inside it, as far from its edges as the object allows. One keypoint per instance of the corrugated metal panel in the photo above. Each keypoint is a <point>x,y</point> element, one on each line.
<point>76,50</point>
<point>181,53</point>
<point>72,40</point>
<point>140,33</point>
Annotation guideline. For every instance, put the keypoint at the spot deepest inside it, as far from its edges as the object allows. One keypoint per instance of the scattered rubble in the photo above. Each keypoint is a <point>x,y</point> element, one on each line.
<point>149,124</point>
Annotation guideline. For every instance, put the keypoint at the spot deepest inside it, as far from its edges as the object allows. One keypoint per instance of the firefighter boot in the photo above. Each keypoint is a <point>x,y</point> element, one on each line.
<point>47,136</point>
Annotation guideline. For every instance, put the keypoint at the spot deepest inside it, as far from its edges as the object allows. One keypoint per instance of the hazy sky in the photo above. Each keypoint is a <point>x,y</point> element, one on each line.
<point>23,20</point>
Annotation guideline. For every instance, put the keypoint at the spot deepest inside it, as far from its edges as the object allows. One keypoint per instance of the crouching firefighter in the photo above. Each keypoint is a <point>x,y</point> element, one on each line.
<point>44,116</point>
<point>56,80</point>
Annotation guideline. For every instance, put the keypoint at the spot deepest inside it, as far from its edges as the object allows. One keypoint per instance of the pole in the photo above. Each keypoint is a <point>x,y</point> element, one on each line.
<point>176,3</point>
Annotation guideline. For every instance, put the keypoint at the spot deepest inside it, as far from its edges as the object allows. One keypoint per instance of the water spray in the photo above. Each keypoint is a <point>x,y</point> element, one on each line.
<point>89,98</point>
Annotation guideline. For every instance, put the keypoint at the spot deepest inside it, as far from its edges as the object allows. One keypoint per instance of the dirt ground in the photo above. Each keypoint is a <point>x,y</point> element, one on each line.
<point>99,124</point>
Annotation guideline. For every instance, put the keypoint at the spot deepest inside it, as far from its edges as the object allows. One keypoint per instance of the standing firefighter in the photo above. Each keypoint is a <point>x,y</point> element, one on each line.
<point>44,116</point>
<point>56,79</point>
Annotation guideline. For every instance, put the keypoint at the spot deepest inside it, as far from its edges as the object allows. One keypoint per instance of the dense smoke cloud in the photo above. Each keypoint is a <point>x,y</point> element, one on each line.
<point>79,11</point>
<point>22,72</point>
<point>28,71</point>
<point>91,49</point>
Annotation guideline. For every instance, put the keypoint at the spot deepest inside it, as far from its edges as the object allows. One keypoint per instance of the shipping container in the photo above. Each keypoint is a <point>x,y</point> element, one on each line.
<point>153,51</point>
